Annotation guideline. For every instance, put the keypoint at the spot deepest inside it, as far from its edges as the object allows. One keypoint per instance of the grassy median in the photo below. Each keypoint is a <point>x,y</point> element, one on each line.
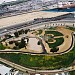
<point>41,61</point>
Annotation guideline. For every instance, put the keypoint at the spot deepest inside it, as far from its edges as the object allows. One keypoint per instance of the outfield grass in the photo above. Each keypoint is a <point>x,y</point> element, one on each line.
<point>55,33</point>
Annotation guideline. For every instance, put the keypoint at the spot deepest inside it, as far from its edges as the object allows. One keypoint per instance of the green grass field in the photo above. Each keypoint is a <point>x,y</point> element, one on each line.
<point>58,42</point>
<point>55,33</point>
<point>71,28</point>
<point>39,32</point>
<point>2,47</point>
<point>41,62</point>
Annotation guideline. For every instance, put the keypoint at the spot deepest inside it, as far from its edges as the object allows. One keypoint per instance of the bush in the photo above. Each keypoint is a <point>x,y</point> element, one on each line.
<point>16,43</point>
<point>71,28</point>
<point>8,36</point>
<point>54,49</point>
<point>58,42</point>
<point>16,48</point>
<point>11,42</point>
<point>39,31</point>
<point>16,34</point>
<point>1,46</point>
<point>38,43</point>
<point>45,61</point>
<point>4,39</point>
<point>72,72</point>
<point>27,30</point>
<point>22,44</point>
<point>55,33</point>
<point>21,31</point>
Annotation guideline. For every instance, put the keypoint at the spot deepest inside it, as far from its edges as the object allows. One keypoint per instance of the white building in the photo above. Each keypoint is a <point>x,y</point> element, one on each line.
<point>7,70</point>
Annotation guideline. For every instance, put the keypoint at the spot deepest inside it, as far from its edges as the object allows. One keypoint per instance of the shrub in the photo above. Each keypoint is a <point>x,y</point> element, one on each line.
<point>58,42</point>
<point>16,43</point>
<point>16,34</point>
<point>1,46</point>
<point>55,33</point>
<point>11,42</point>
<point>22,44</point>
<point>27,30</point>
<point>54,49</point>
<point>38,43</point>
<point>15,48</point>
<point>21,31</point>
<point>8,36</point>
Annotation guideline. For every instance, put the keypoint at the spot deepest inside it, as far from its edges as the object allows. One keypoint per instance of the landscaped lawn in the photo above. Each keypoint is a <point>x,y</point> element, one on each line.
<point>71,28</point>
<point>72,72</point>
<point>58,42</point>
<point>39,31</point>
<point>41,62</point>
<point>52,28</point>
<point>55,33</point>
<point>2,47</point>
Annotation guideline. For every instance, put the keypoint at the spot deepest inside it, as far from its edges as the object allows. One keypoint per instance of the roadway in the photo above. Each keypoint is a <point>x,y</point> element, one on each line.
<point>30,23</point>
<point>18,19</point>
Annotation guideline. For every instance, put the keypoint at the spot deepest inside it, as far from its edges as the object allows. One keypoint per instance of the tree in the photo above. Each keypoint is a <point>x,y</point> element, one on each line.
<point>16,43</point>
<point>4,39</point>
<point>73,25</point>
<point>38,43</point>
<point>11,42</point>
<point>27,40</point>
<point>8,36</point>
<point>27,30</point>
<point>54,49</point>
<point>22,44</point>
<point>21,31</point>
<point>6,44</point>
<point>16,34</point>
<point>16,47</point>
<point>2,46</point>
